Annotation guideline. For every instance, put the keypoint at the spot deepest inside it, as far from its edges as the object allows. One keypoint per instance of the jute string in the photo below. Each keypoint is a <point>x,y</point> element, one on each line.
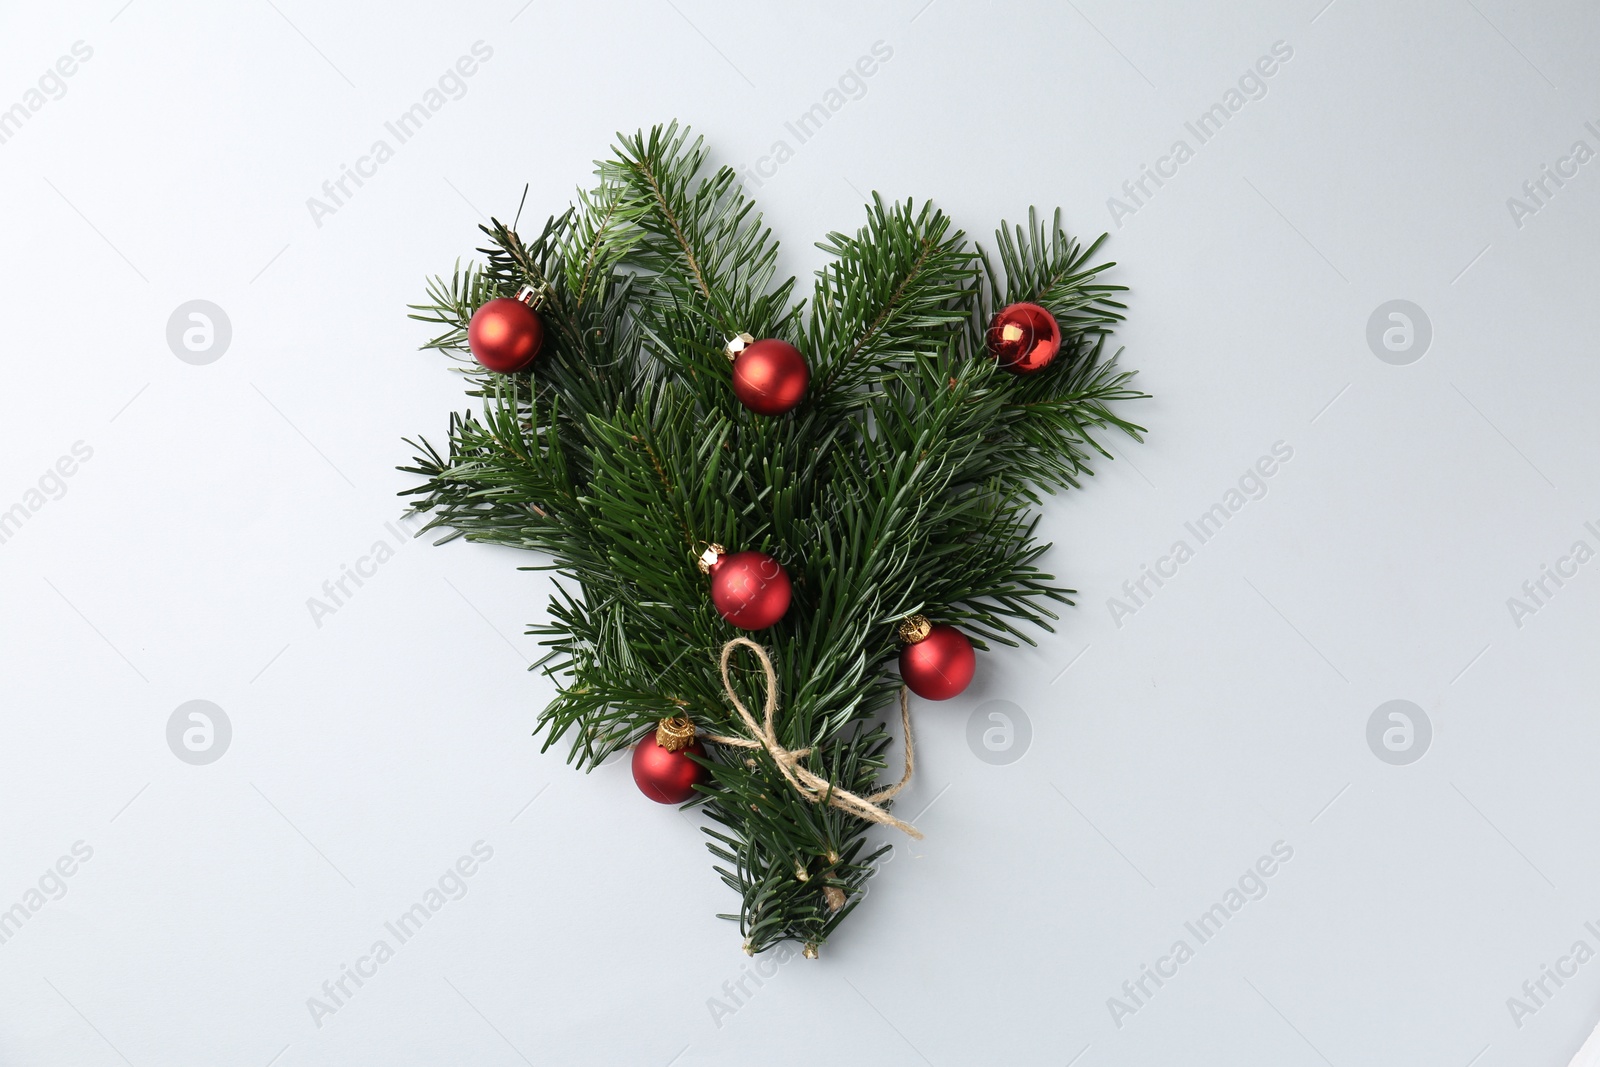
<point>811,786</point>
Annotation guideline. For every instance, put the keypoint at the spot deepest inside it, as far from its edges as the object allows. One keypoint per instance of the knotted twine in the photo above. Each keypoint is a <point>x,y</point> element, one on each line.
<point>809,785</point>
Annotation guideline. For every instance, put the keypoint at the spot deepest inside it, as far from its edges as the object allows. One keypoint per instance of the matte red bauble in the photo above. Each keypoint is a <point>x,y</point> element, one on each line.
<point>750,589</point>
<point>505,335</point>
<point>667,775</point>
<point>940,665</point>
<point>770,377</point>
<point>1024,338</point>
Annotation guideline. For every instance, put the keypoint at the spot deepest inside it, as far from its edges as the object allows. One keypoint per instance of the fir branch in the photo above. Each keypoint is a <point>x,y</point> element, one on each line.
<point>905,483</point>
<point>894,291</point>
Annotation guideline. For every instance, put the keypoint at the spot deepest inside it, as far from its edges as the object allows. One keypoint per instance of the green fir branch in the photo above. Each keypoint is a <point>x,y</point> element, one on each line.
<point>906,482</point>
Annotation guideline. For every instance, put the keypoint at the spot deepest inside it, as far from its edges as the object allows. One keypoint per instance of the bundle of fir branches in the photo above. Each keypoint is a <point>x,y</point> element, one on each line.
<point>903,484</point>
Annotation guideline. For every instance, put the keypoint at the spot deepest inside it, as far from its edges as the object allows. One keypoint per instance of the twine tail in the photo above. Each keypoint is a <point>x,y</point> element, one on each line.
<point>808,784</point>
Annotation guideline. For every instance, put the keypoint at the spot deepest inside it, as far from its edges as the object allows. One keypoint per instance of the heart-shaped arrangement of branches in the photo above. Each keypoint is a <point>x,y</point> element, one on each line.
<point>753,505</point>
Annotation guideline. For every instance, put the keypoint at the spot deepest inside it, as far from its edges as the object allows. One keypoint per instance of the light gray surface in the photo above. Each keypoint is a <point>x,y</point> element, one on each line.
<point>1169,753</point>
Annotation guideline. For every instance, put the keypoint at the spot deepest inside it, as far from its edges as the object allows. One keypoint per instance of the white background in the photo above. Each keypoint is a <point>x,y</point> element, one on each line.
<point>1227,714</point>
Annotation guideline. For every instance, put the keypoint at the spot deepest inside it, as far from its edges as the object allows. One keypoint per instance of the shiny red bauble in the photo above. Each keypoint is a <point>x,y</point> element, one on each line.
<point>939,666</point>
<point>665,776</point>
<point>1024,338</point>
<point>750,589</point>
<point>505,335</point>
<point>770,377</point>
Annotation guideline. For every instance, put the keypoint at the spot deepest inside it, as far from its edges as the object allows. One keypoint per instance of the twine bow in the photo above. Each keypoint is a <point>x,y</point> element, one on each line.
<point>811,786</point>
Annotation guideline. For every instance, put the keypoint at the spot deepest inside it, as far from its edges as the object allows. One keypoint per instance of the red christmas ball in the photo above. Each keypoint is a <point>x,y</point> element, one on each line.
<point>505,335</point>
<point>770,377</point>
<point>750,589</point>
<point>939,666</point>
<point>1024,338</point>
<point>665,776</point>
